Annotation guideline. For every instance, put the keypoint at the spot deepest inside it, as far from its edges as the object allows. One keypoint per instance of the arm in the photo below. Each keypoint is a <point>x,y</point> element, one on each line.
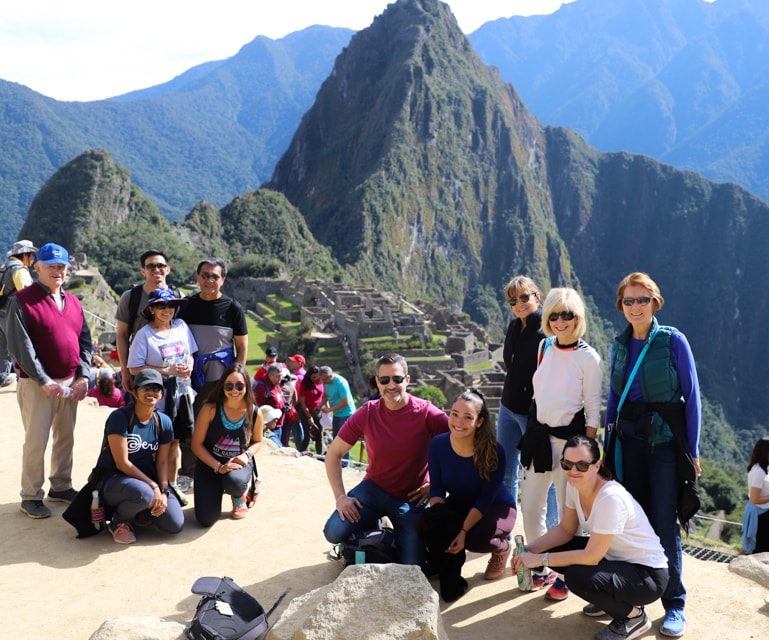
<point>346,506</point>
<point>557,536</point>
<point>121,340</point>
<point>118,446</point>
<point>206,415</point>
<point>755,496</point>
<point>690,388</point>
<point>241,349</point>
<point>80,385</point>
<point>591,386</point>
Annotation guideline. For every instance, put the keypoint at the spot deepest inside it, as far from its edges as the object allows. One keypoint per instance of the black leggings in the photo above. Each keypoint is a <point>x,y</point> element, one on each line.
<point>613,585</point>
<point>209,487</point>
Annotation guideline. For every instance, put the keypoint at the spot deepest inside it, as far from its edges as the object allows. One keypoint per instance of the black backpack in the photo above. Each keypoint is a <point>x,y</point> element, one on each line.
<point>377,545</point>
<point>227,612</point>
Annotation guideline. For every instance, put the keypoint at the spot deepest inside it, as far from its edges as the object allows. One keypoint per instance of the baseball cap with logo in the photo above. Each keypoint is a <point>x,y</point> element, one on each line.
<point>51,253</point>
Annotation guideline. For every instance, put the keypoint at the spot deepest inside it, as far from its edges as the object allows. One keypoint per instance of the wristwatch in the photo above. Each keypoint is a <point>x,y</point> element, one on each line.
<point>546,560</point>
<point>166,490</point>
<point>249,454</point>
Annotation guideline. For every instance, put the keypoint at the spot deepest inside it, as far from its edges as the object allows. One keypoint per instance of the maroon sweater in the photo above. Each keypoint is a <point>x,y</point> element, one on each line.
<point>55,334</point>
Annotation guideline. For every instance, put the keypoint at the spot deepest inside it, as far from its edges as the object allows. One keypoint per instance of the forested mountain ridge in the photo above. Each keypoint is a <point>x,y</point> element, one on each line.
<point>209,134</point>
<point>684,81</point>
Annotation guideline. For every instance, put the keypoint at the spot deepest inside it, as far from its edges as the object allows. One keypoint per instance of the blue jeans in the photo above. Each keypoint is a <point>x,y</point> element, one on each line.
<point>510,429</point>
<point>210,486</point>
<point>651,477</point>
<point>405,516</point>
<point>130,496</point>
<point>336,425</point>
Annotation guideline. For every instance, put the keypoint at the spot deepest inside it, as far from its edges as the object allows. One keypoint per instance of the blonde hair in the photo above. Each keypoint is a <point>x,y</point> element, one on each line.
<point>640,279</point>
<point>564,299</point>
<point>523,284</point>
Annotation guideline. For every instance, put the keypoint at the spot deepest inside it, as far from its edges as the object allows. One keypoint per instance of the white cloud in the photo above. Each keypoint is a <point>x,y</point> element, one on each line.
<point>88,49</point>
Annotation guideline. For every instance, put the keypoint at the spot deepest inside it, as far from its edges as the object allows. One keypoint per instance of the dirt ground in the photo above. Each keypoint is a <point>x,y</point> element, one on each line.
<point>54,585</point>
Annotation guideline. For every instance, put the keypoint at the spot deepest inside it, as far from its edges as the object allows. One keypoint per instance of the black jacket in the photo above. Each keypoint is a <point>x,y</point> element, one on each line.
<point>520,358</point>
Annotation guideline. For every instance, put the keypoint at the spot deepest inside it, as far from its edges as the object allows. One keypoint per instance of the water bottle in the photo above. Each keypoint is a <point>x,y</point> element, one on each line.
<point>66,392</point>
<point>97,512</point>
<point>524,574</point>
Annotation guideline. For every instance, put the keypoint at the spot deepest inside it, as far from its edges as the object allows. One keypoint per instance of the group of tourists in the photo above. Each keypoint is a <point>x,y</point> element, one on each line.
<point>447,486</point>
<point>447,483</point>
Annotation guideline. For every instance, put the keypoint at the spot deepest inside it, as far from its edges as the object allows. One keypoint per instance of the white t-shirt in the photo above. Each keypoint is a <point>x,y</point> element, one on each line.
<point>617,513</point>
<point>151,349</point>
<point>757,477</point>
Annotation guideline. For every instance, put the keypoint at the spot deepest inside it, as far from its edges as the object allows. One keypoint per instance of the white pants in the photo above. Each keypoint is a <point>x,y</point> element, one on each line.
<point>534,488</point>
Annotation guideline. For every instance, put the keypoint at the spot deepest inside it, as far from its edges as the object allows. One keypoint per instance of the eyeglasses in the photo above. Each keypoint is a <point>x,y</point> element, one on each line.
<point>152,266</point>
<point>229,386</point>
<point>524,297</point>
<point>210,276</point>
<point>386,379</point>
<point>164,305</point>
<point>643,301</point>
<point>564,315</point>
<point>582,465</point>
<point>153,388</point>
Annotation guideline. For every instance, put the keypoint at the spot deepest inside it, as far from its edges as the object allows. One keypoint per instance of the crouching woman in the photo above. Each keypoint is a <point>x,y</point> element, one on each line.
<point>134,464</point>
<point>621,566</point>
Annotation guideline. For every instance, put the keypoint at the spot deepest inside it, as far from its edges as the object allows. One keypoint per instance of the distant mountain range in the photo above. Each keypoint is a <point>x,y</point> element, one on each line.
<point>417,169</point>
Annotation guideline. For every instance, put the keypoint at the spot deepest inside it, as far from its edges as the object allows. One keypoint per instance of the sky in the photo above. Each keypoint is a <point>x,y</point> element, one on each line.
<point>91,49</point>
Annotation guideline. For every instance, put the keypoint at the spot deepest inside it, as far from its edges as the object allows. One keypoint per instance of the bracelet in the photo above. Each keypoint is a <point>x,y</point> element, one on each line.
<point>546,560</point>
<point>218,466</point>
<point>463,531</point>
<point>340,496</point>
<point>166,490</point>
<point>249,454</point>
<point>154,486</point>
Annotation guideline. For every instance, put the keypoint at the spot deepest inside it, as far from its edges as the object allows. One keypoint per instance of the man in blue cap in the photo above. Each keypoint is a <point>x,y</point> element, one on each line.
<point>51,344</point>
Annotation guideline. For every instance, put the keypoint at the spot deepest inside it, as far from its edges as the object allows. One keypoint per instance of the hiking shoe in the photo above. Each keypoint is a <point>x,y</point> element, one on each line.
<point>6,380</point>
<point>122,533</point>
<point>183,499</point>
<point>239,508</point>
<point>674,623</point>
<point>626,628</point>
<point>68,495</point>
<point>35,509</point>
<point>593,610</point>
<point>184,482</point>
<point>495,569</point>
<point>540,581</point>
<point>559,591</point>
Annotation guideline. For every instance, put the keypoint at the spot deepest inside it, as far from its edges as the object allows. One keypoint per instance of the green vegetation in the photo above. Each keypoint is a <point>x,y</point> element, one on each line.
<point>433,394</point>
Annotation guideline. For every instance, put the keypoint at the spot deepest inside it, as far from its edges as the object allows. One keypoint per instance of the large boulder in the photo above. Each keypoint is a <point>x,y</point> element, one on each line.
<point>754,567</point>
<point>387,601</point>
<point>139,628</point>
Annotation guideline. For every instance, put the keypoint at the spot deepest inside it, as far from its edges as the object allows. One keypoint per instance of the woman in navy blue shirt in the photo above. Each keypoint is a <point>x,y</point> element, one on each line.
<point>470,507</point>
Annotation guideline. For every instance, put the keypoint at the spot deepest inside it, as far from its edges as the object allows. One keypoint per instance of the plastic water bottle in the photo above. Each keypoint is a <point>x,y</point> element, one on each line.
<point>97,512</point>
<point>66,392</point>
<point>524,574</point>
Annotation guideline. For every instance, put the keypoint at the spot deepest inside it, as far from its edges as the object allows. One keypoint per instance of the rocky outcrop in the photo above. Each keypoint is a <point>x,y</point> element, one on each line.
<point>139,628</point>
<point>389,601</point>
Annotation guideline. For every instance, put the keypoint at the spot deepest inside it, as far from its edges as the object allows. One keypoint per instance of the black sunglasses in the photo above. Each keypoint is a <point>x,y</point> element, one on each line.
<point>164,305</point>
<point>524,297</point>
<point>210,276</point>
<point>564,315</point>
<point>229,386</point>
<point>386,379</point>
<point>155,265</point>
<point>643,301</point>
<point>154,388</point>
<point>582,465</point>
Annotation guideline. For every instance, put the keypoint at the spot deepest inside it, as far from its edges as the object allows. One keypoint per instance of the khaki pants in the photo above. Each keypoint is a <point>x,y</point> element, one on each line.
<point>41,415</point>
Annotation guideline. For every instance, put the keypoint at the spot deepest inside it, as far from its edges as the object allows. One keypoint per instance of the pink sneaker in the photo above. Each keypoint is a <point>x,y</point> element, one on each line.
<point>122,533</point>
<point>540,581</point>
<point>559,591</point>
<point>239,508</point>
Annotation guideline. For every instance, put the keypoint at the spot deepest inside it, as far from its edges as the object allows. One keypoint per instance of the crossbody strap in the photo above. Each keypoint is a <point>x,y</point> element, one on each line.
<point>635,370</point>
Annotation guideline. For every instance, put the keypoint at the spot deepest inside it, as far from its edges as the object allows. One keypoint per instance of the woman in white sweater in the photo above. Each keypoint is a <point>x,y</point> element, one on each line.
<point>567,402</point>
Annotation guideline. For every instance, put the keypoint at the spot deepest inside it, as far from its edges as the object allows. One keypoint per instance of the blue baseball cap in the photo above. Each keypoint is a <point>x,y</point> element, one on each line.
<point>53,254</point>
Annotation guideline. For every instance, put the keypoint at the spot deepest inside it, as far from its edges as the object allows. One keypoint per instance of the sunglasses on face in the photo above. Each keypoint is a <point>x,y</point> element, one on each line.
<point>643,301</point>
<point>152,266</point>
<point>524,298</point>
<point>164,305</point>
<point>153,388</point>
<point>563,315</point>
<point>229,386</point>
<point>386,379</point>
<point>210,276</point>
<point>582,465</point>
